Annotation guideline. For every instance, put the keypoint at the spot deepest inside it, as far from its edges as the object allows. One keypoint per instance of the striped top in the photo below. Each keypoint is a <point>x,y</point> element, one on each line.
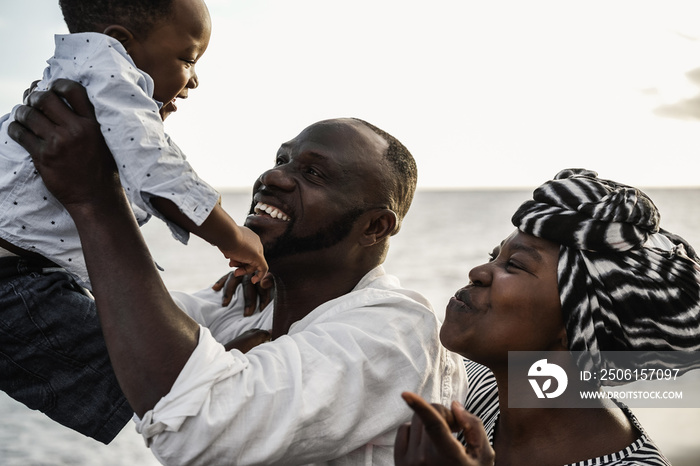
<point>482,401</point>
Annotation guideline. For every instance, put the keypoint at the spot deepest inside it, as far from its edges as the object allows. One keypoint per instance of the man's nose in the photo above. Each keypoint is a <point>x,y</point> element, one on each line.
<point>278,177</point>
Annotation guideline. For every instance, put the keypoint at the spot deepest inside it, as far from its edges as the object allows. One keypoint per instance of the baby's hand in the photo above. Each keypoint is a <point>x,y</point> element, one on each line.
<point>247,255</point>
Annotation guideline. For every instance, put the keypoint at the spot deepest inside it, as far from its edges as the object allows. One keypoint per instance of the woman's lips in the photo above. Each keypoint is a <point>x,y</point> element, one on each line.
<point>455,305</point>
<point>461,301</point>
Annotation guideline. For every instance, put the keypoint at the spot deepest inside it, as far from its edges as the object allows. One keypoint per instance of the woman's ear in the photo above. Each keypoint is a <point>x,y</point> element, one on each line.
<point>121,34</point>
<point>381,223</point>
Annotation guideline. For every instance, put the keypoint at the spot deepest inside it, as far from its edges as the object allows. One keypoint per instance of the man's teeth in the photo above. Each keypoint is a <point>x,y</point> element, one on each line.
<point>271,211</point>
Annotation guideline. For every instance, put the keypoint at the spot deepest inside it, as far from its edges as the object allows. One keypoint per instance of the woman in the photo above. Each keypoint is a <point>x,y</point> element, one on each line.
<point>587,271</point>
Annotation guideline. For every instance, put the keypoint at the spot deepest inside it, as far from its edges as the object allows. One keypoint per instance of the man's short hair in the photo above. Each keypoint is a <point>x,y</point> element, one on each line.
<point>403,175</point>
<point>138,16</point>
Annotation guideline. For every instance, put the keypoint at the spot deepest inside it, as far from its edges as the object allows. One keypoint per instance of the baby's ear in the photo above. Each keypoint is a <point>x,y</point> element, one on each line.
<point>120,33</point>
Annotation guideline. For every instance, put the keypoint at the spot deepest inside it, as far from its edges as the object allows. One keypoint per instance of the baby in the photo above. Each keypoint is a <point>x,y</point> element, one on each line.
<point>135,58</point>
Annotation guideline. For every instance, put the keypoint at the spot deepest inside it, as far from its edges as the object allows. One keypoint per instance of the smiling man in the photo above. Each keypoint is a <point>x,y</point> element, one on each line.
<point>346,338</point>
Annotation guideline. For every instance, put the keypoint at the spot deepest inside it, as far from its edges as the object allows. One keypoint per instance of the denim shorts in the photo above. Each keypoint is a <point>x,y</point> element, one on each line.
<point>53,356</point>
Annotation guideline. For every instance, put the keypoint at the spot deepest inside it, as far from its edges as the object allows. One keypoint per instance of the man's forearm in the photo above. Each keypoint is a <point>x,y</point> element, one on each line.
<point>148,337</point>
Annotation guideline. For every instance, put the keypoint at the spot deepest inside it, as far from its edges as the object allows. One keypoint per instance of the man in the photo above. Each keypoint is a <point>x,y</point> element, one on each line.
<point>346,339</point>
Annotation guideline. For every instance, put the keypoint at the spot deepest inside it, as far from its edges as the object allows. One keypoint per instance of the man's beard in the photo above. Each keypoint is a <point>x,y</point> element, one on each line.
<point>288,243</point>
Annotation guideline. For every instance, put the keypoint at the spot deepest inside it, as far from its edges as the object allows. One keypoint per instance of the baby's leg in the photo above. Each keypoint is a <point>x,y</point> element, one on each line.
<point>52,354</point>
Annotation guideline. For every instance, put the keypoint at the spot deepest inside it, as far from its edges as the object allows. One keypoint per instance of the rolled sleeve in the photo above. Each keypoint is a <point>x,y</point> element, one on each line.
<point>324,391</point>
<point>208,364</point>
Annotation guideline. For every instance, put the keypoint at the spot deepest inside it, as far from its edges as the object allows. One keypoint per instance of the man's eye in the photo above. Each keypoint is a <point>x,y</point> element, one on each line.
<point>312,172</point>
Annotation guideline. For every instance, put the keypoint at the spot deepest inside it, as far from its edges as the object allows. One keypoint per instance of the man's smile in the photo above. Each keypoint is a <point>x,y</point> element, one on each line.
<point>274,212</point>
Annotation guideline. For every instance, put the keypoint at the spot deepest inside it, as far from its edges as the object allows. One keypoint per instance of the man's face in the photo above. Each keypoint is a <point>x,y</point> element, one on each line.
<point>322,181</point>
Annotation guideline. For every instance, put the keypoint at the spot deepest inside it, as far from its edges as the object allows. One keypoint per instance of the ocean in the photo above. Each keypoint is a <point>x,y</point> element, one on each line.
<point>444,235</point>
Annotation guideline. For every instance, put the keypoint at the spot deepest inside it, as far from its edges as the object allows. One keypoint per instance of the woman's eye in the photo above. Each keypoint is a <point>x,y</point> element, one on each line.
<point>493,255</point>
<point>514,265</point>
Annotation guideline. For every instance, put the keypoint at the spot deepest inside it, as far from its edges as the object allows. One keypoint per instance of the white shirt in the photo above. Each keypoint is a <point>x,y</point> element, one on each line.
<point>328,392</point>
<point>149,163</point>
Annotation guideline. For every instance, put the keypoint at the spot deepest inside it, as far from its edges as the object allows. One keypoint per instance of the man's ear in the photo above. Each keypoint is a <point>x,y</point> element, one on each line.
<point>120,33</point>
<point>381,223</point>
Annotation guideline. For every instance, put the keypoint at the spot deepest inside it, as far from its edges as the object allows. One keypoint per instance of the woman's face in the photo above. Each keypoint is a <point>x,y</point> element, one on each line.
<point>510,304</point>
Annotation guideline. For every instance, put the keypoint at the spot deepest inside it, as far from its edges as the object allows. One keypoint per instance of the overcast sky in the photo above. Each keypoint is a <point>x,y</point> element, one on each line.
<point>497,93</point>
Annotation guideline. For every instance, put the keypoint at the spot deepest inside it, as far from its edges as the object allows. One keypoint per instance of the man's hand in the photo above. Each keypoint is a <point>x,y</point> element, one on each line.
<point>428,439</point>
<point>30,90</point>
<point>248,340</point>
<point>254,295</point>
<point>66,144</point>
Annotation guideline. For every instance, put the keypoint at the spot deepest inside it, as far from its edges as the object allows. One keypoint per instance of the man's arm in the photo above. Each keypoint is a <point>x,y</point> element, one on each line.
<point>323,391</point>
<point>149,339</point>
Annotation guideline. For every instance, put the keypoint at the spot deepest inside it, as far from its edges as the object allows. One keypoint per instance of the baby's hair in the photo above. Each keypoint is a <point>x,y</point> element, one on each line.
<point>138,16</point>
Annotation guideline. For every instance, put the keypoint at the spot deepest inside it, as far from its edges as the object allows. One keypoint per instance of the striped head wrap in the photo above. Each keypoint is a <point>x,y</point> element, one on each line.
<point>624,283</point>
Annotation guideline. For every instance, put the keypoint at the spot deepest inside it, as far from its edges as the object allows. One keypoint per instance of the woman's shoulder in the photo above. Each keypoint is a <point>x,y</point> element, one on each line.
<point>482,401</point>
<point>482,396</point>
<point>643,451</point>
<point>482,384</point>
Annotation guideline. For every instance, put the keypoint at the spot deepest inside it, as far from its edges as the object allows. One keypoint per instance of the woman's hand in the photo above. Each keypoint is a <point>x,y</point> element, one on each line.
<point>428,439</point>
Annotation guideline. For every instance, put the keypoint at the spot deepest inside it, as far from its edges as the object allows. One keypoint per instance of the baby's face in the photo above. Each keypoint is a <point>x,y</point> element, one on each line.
<point>172,49</point>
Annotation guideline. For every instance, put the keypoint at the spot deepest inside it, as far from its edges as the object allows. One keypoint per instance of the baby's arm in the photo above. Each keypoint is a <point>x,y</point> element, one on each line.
<point>237,243</point>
